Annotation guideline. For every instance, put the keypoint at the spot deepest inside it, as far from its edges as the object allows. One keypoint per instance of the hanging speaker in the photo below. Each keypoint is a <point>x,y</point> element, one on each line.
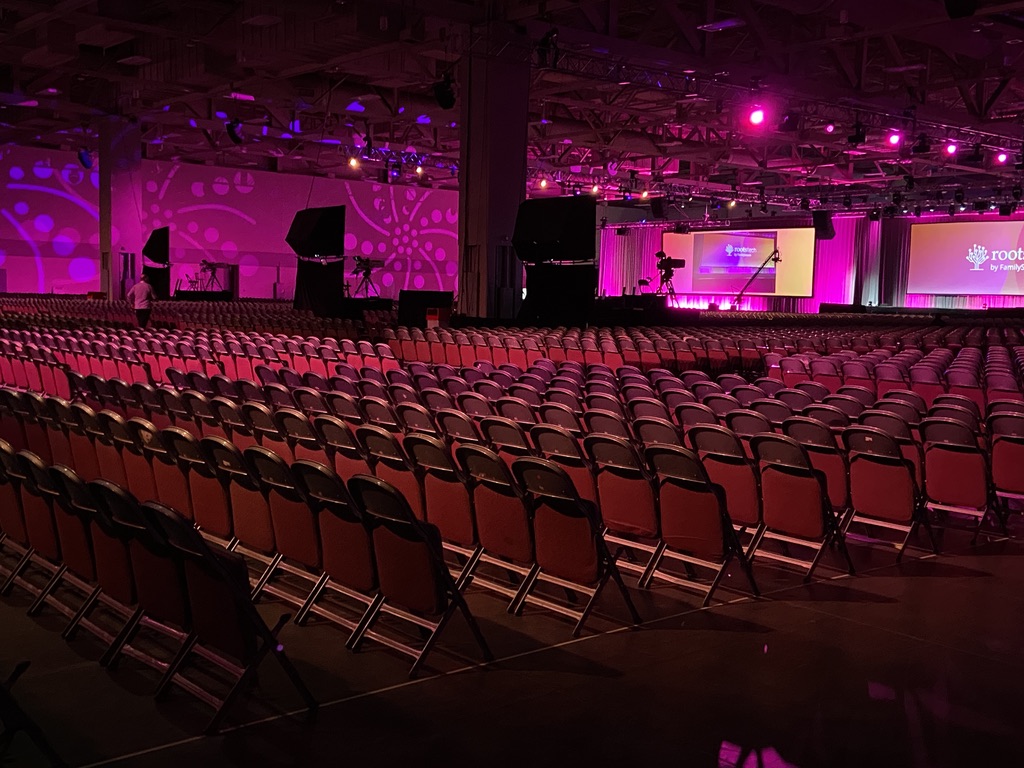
<point>823,228</point>
<point>318,232</point>
<point>158,248</point>
<point>658,208</point>
<point>961,9</point>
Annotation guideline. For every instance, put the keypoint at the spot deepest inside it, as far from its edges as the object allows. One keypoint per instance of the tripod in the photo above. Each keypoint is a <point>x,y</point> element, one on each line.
<point>366,285</point>
<point>665,286</point>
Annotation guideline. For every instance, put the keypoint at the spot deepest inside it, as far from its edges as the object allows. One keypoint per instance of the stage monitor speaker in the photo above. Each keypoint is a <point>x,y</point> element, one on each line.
<point>413,306</point>
<point>556,229</point>
<point>823,227</point>
<point>158,247</point>
<point>318,232</point>
<point>961,9</point>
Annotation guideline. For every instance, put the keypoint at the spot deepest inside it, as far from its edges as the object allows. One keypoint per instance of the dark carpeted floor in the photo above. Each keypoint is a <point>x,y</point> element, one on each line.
<point>919,664</point>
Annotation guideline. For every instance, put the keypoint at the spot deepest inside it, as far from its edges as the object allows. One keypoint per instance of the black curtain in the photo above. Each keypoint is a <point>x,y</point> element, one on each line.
<point>320,287</point>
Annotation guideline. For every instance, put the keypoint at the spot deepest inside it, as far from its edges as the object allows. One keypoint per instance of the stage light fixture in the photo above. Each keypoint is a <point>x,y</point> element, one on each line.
<point>875,214</point>
<point>789,122</point>
<point>847,202</point>
<point>897,197</point>
<point>756,116</point>
<point>644,195</point>
<point>859,135</point>
<point>543,183</point>
<point>805,204</point>
<point>1001,158</point>
<point>958,195</point>
<point>830,128</point>
<point>732,203</point>
<point>234,129</point>
<point>922,146</point>
<point>85,159</point>
<point>917,211</point>
<point>419,170</point>
<point>595,189</point>
<point>444,92</point>
<point>951,148</point>
<point>895,138</point>
<point>353,162</point>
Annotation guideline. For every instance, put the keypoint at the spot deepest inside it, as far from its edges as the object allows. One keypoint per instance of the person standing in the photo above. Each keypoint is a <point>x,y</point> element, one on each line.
<point>142,296</point>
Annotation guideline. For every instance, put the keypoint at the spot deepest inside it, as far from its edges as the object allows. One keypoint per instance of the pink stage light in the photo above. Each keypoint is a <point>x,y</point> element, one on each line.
<point>951,148</point>
<point>830,128</point>
<point>895,138</point>
<point>1001,158</point>
<point>757,116</point>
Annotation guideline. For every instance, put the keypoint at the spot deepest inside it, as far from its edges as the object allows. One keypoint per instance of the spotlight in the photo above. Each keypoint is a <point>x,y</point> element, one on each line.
<point>950,148</point>
<point>895,138</point>
<point>419,170</point>
<point>859,135</point>
<point>732,203</point>
<point>830,128</point>
<point>353,162</point>
<point>543,183</point>
<point>1001,158</point>
<point>85,159</point>
<point>922,146</point>
<point>234,129</point>
<point>595,189</point>
<point>756,116</point>
<point>444,92</point>
<point>644,195</point>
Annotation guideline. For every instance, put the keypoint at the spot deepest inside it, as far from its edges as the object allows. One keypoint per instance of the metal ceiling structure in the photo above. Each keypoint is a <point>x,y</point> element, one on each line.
<point>630,95</point>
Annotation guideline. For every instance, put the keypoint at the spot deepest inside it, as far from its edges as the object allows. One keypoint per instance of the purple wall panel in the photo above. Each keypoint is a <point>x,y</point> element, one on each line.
<point>49,240</point>
<point>49,217</point>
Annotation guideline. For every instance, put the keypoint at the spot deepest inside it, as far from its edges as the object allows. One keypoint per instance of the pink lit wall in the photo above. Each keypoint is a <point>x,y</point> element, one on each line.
<point>49,223</point>
<point>49,238</point>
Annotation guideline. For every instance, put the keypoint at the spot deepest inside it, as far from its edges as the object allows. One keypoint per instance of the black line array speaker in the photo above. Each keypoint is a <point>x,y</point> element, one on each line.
<point>318,232</point>
<point>556,229</point>
<point>158,247</point>
<point>823,227</point>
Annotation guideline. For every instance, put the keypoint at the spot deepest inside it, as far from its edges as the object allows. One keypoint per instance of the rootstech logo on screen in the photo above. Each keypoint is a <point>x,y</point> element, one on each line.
<point>979,254</point>
<point>731,249</point>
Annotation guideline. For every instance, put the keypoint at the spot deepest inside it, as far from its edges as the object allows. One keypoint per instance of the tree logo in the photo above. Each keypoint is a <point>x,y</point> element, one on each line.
<point>977,255</point>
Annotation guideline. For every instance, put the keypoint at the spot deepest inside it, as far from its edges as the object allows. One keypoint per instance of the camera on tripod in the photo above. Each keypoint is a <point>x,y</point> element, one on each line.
<point>668,265</point>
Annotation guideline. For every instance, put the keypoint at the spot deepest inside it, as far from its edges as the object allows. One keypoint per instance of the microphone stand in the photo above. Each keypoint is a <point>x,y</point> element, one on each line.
<point>773,257</point>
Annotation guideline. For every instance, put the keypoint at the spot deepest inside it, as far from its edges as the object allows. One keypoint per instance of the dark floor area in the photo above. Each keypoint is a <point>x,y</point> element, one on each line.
<point>918,664</point>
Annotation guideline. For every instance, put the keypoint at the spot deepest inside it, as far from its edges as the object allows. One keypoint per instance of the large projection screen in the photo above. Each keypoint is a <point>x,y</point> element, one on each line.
<point>720,262</point>
<point>967,258</point>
